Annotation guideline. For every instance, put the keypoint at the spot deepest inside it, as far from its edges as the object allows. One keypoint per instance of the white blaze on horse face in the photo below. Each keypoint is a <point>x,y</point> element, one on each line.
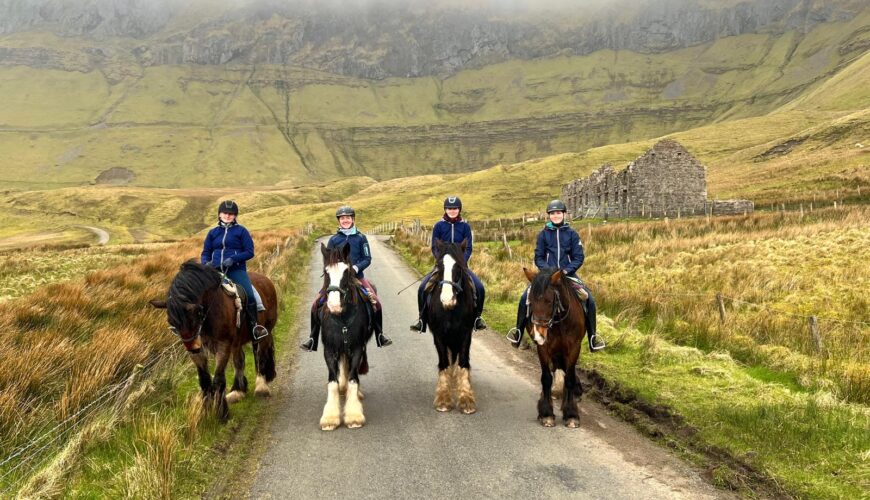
<point>539,338</point>
<point>448,298</point>
<point>333,299</point>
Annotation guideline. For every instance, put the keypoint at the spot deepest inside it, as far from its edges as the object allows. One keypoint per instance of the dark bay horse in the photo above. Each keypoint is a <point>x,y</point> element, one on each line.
<point>346,327</point>
<point>557,326</point>
<point>450,315</point>
<point>203,316</point>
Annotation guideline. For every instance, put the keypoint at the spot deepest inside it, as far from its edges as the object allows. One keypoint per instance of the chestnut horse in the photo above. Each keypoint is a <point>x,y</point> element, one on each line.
<point>202,315</point>
<point>558,327</point>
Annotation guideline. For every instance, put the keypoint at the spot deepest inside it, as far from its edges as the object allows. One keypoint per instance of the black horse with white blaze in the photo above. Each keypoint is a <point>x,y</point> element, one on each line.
<point>451,316</point>
<point>346,325</point>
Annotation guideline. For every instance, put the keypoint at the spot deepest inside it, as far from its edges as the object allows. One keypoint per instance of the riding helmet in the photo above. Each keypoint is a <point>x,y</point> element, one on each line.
<point>345,210</point>
<point>228,207</point>
<point>452,202</point>
<point>556,206</point>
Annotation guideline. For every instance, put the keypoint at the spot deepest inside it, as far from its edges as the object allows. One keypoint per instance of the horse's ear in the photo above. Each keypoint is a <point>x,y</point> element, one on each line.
<point>555,277</point>
<point>324,250</point>
<point>529,275</point>
<point>345,252</point>
<point>159,304</point>
<point>463,245</point>
<point>439,246</point>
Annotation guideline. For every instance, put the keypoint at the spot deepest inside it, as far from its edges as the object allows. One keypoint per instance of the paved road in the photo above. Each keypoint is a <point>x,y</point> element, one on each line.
<point>408,450</point>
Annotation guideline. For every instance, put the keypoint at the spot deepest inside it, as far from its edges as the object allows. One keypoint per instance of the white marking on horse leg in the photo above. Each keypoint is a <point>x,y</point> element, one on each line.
<point>467,403</point>
<point>342,375</point>
<point>262,387</point>
<point>235,396</point>
<point>353,410</point>
<point>448,298</point>
<point>331,417</point>
<point>443,398</point>
<point>558,387</point>
<point>333,299</point>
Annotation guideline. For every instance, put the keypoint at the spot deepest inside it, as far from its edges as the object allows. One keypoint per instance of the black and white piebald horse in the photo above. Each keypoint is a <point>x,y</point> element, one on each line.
<point>450,315</point>
<point>346,325</point>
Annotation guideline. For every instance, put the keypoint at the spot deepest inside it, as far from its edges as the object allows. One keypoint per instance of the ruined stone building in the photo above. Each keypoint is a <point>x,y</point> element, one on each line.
<point>666,181</point>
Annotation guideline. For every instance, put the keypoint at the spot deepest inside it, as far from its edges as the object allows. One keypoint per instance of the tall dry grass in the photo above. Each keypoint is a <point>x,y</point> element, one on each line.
<point>68,347</point>
<point>773,269</point>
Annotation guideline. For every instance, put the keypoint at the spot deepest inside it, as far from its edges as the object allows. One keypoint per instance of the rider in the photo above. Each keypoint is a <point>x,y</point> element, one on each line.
<point>559,246</point>
<point>360,257</point>
<point>452,229</point>
<point>226,248</point>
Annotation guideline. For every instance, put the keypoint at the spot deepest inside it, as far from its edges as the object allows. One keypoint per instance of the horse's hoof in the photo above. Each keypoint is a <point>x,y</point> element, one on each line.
<point>467,406</point>
<point>262,388</point>
<point>468,410</point>
<point>235,396</point>
<point>329,423</point>
<point>356,424</point>
<point>572,423</point>
<point>329,427</point>
<point>548,422</point>
<point>443,408</point>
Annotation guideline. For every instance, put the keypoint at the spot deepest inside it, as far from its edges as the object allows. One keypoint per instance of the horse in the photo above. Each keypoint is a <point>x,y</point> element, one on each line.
<point>346,327</point>
<point>203,317</point>
<point>557,326</point>
<point>451,319</point>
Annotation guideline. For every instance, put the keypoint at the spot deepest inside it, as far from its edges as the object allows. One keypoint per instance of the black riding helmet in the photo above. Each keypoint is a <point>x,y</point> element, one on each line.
<point>556,206</point>
<point>345,210</point>
<point>228,207</point>
<point>452,202</point>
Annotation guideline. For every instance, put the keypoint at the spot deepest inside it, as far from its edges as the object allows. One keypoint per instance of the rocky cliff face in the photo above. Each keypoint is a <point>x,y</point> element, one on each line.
<point>377,39</point>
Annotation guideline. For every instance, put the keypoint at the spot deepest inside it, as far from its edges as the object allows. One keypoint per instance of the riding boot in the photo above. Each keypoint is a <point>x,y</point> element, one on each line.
<point>310,344</point>
<point>257,331</point>
<point>479,323</point>
<point>515,335</point>
<point>380,339</point>
<point>418,326</point>
<point>596,343</point>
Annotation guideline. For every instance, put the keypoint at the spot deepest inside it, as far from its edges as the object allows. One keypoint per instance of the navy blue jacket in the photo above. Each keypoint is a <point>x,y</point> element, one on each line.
<point>228,242</point>
<point>360,254</point>
<point>559,247</point>
<point>451,232</point>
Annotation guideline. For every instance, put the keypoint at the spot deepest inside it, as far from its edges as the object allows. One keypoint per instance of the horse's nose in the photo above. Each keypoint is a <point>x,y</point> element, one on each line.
<point>194,346</point>
<point>540,334</point>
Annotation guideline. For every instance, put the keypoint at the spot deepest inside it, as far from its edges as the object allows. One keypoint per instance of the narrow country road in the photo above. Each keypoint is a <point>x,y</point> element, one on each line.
<point>102,234</point>
<point>408,450</point>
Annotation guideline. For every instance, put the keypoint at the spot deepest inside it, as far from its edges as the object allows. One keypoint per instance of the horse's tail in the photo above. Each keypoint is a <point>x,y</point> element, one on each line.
<point>266,358</point>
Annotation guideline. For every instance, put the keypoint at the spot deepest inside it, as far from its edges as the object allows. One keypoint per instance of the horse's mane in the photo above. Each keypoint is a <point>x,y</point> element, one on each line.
<point>193,279</point>
<point>542,281</point>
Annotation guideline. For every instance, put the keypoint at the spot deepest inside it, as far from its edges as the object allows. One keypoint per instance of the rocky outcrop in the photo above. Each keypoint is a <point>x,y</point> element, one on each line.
<point>376,40</point>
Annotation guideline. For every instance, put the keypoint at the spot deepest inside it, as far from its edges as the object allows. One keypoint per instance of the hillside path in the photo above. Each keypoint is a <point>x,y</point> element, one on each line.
<point>408,450</point>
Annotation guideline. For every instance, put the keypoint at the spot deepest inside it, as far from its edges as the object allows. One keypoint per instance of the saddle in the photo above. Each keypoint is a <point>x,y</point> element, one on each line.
<point>579,289</point>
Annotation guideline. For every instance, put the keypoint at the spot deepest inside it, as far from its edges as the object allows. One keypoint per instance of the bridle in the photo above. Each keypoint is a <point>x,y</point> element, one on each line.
<point>559,314</point>
<point>203,314</point>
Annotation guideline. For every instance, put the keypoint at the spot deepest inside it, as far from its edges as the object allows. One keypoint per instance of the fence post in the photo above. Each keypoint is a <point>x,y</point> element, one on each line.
<point>817,336</point>
<point>721,304</point>
<point>506,246</point>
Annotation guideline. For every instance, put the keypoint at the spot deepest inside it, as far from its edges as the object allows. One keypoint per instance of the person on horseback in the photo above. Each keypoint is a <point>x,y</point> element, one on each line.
<point>559,246</point>
<point>227,247</point>
<point>451,228</point>
<point>360,257</point>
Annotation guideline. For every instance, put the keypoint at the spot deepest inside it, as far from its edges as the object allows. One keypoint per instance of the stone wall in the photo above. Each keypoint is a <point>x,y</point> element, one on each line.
<point>666,181</point>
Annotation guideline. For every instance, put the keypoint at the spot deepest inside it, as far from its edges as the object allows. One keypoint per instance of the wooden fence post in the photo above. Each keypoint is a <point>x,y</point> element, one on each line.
<point>506,246</point>
<point>817,336</point>
<point>721,304</point>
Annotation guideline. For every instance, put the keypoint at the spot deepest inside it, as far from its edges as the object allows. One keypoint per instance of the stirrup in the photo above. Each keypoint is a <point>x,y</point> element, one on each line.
<point>514,335</point>
<point>259,332</point>
<point>596,343</point>
<point>479,324</point>
<point>308,345</point>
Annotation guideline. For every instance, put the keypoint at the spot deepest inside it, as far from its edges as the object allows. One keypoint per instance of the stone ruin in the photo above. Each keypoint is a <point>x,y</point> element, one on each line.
<point>666,181</point>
